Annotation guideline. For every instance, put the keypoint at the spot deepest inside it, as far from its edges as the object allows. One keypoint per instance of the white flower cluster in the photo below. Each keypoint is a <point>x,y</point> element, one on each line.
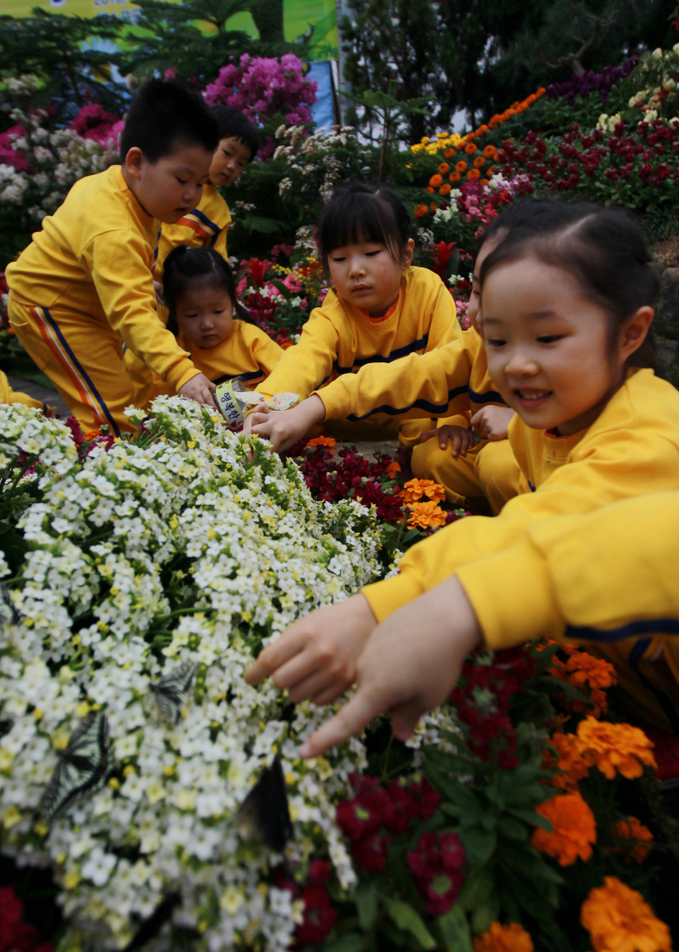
<point>55,160</point>
<point>169,549</point>
<point>314,158</point>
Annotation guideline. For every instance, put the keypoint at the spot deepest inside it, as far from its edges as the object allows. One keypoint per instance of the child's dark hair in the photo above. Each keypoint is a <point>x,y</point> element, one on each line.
<point>539,212</point>
<point>602,248</point>
<point>185,266</point>
<point>165,114</point>
<point>359,212</point>
<point>234,124</point>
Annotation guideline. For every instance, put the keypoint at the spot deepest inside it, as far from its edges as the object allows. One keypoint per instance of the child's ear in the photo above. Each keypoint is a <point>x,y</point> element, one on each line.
<point>134,161</point>
<point>634,332</point>
<point>408,252</point>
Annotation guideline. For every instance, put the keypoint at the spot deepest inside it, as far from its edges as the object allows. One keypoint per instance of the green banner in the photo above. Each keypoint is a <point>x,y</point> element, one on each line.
<point>300,17</point>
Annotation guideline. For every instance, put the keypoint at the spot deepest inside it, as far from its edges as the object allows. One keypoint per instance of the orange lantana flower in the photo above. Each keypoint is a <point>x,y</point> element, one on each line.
<point>435,180</point>
<point>424,515</point>
<point>509,938</point>
<point>574,760</point>
<point>323,441</point>
<point>616,747</point>
<point>573,829</point>
<point>415,489</point>
<point>461,166</point>
<point>637,836</point>
<point>620,920</point>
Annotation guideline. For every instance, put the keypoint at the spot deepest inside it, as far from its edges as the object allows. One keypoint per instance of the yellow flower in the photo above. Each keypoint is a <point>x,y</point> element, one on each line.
<point>415,489</point>
<point>424,515</point>
<point>616,747</point>
<point>619,920</point>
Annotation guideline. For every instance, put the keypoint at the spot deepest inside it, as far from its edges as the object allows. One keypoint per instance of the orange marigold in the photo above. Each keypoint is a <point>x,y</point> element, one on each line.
<point>573,759</point>
<point>444,168</point>
<point>590,674</point>
<point>430,189</point>
<point>455,176</point>
<point>470,148</point>
<point>509,938</point>
<point>90,435</point>
<point>415,489</point>
<point>573,829</point>
<point>484,181</point>
<point>426,514</point>
<point>618,747</point>
<point>479,162</point>
<point>286,343</point>
<point>393,468</point>
<point>323,441</point>
<point>472,174</point>
<point>637,837</point>
<point>461,166</point>
<point>435,180</point>
<point>620,920</point>
<point>445,188</point>
<point>421,210</point>
<point>489,151</point>
<point>449,153</point>
<point>482,130</point>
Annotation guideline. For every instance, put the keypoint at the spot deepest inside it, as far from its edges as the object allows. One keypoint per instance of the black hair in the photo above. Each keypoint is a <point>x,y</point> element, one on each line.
<point>536,211</point>
<point>360,212</point>
<point>602,248</point>
<point>185,266</point>
<point>234,124</point>
<point>164,115</point>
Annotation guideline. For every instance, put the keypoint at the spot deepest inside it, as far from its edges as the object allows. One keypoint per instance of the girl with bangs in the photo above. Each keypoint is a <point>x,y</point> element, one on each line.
<point>379,308</point>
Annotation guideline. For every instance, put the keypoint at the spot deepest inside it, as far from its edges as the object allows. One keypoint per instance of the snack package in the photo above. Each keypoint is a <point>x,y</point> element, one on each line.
<point>233,401</point>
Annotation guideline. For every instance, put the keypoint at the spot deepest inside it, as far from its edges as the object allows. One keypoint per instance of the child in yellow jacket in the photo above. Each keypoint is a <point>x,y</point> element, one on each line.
<point>200,292</point>
<point>205,226</point>
<point>380,307</point>
<point>565,320</point>
<point>84,285</point>
<point>7,395</point>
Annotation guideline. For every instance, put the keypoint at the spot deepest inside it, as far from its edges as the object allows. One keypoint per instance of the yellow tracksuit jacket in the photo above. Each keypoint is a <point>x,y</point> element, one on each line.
<point>339,338</point>
<point>82,287</point>
<point>204,227</point>
<point>248,353</point>
<point>7,395</point>
<point>607,579</point>
<point>452,379</point>
<point>631,449</point>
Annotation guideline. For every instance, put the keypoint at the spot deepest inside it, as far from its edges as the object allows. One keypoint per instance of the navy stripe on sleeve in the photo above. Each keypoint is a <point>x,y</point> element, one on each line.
<point>411,348</point>
<point>435,409</point>
<point>490,396</point>
<point>634,629</point>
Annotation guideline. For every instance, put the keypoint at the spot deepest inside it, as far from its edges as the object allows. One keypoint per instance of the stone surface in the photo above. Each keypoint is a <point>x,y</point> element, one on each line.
<point>666,322</point>
<point>44,394</point>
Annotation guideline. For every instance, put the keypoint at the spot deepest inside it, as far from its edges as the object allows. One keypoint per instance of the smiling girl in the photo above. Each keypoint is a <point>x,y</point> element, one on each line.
<point>200,292</point>
<point>566,313</point>
<point>380,307</point>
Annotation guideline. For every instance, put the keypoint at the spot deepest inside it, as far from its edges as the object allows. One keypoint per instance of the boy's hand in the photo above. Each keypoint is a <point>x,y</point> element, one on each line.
<point>316,657</point>
<point>491,423</point>
<point>258,415</point>
<point>460,438</point>
<point>200,389</point>
<point>283,428</point>
<point>409,666</point>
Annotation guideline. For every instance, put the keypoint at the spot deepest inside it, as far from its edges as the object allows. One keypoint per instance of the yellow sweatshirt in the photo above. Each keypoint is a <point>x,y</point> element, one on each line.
<point>452,379</point>
<point>248,353</point>
<point>204,227</point>
<point>7,395</point>
<point>93,258</point>
<point>631,449</point>
<point>339,337</point>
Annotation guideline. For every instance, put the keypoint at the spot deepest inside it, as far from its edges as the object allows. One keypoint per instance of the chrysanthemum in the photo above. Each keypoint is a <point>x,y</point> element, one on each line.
<point>510,938</point>
<point>619,920</point>
<point>573,829</point>
<point>618,747</point>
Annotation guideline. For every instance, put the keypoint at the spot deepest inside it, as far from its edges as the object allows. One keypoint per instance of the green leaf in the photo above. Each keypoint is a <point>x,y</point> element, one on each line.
<point>407,919</point>
<point>455,930</point>
<point>477,889</point>
<point>479,845</point>
<point>267,226</point>
<point>512,829</point>
<point>366,903</point>
<point>351,942</point>
<point>530,816</point>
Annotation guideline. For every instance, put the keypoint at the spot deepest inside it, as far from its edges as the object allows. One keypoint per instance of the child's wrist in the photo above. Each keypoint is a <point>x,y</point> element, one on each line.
<point>314,409</point>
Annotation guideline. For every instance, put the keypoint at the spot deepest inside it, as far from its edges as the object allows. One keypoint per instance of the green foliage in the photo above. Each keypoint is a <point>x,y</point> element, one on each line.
<point>55,49</point>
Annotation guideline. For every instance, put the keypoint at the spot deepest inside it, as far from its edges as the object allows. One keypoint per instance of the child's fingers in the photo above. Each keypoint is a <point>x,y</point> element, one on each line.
<point>350,720</point>
<point>321,682</point>
<point>428,435</point>
<point>273,656</point>
<point>404,718</point>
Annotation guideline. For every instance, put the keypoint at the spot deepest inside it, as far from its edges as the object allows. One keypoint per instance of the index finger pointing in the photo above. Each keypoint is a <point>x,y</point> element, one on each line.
<point>350,720</point>
<point>273,656</point>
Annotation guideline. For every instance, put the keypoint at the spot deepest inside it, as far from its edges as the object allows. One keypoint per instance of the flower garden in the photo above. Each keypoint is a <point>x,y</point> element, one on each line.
<point>141,576</point>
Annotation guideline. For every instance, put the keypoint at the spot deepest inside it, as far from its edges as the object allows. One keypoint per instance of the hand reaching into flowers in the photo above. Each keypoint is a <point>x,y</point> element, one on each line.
<point>316,657</point>
<point>491,423</point>
<point>200,389</point>
<point>460,438</point>
<point>285,427</point>
<point>410,664</point>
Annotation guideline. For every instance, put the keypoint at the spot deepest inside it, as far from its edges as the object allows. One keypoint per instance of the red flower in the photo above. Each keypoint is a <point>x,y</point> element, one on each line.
<point>319,871</point>
<point>369,810</point>
<point>442,255</point>
<point>370,853</point>
<point>436,863</point>
<point>319,916</point>
<point>15,934</point>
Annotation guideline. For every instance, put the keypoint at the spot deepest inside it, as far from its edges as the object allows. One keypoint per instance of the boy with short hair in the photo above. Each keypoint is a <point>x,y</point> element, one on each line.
<point>205,226</point>
<point>84,285</point>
